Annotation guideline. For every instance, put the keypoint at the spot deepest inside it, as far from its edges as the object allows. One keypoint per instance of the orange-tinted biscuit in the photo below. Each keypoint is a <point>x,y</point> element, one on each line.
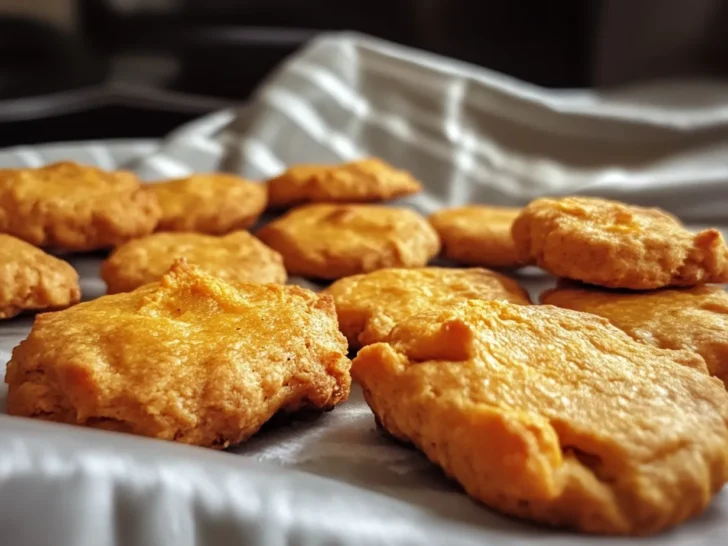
<point>367,180</point>
<point>209,203</point>
<point>30,279</point>
<point>236,257</point>
<point>616,245</point>
<point>191,359</point>
<point>334,241</point>
<point>553,415</point>
<point>695,318</point>
<point>370,305</point>
<point>478,235</point>
<point>75,207</point>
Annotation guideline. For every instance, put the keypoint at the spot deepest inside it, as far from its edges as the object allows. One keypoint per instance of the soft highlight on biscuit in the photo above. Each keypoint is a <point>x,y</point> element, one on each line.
<point>236,257</point>
<point>615,245</point>
<point>367,180</point>
<point>693,319</point>
<point>553,415</point>
<point>75,207</point>
<point>212,203</point>
<point>31,280</point>
<point>191,359</point>
<point>371,304</point>
<point>335,241</point>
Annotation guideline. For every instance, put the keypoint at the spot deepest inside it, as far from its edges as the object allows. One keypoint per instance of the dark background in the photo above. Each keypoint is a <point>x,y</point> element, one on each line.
<point>133,68</point>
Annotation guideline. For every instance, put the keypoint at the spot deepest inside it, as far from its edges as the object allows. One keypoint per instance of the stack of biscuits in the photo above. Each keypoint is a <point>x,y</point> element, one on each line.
<point>603,409</point>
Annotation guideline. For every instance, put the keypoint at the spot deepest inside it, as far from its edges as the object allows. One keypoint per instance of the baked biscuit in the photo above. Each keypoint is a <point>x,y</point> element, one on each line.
<point>370,305</point>
<point>191,359</point>
<point>75,207</point>
<point>694,319</point>
<point>237,257</point>
<point>553,415</point>
<point>209,203</point>
<point>478,235</point>
<point>616,245</point>
<point>334,241</point>
<point>364,181</point>
<point>30,279</point>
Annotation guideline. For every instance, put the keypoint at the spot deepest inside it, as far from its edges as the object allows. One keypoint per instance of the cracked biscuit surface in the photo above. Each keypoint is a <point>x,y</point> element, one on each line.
<point>695,319</point>
<point>553,415</point>
<point>334,241</point>
<point>364,181</point>
<point>30,279</point>
<point>209,203</point>
<point>478,235</point>
<point>236,257</point>
<point>370,305</point>
<point>191,359</point>
<point>75,207</point>
<point>615,245</point>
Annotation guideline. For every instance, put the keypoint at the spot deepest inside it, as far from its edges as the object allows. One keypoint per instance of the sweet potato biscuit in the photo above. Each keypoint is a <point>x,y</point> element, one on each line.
<point>209,203</point>
<point>553,415</point>
<point>478,235</point>
<point>334,241</point>
<point>235,257</point>
<point>191,359</point>
<point>694,319</point>
<point>370,305</point>
<point>367,180</point>
<point>616,245</point>
<point>30,279</point>
<point>75,207</point>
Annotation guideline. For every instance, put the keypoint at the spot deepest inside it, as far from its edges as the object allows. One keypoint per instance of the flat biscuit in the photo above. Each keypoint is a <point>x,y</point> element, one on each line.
<point>553,415</point>
<point>478,235</point>
<point>370,305</point>
<point>74,207</point>
<point>364,181</point>
<point>334,241</point>
<point>611,244</point>
<point>30,279</point>
<point>191,359</point>
<point>209,203</point>
<point>694,319</point>
<point>237,257</point>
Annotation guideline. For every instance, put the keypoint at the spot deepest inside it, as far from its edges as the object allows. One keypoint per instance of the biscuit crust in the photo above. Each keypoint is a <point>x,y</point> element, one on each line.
<point>333,241</point>
<point>30,279</point>
<point>370,305</point>
<point>365,181</point>
<point>694,319</point>
<point>611,244</point>
<point>191,359</point>
<point>478,235</point>
<point>237,257</point>
<point>553,415</point>
<point>209,203</point>
<point>75,207</point>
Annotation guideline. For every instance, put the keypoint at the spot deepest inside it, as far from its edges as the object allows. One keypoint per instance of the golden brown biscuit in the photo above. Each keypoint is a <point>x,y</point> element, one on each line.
<point>75,207</point>
<point>237,257</point>
<point>694,319</point>
<point>616,245</point>
<point>191,359</point>
<point>553,415</point>
<point>209,203</point>
<point>367,180</point>
<point>334,241</point>
<point>32,279</point>
<point>478,235</point>
<point>370,305</point>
